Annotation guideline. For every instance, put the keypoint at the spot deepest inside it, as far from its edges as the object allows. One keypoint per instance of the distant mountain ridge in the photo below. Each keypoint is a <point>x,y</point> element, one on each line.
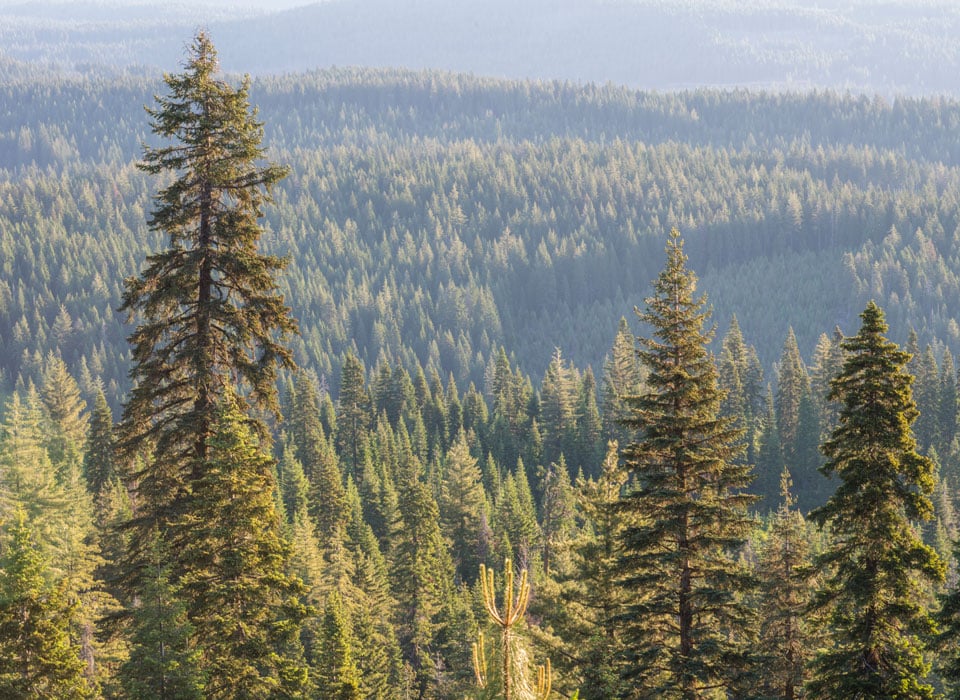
<point>897,47</point>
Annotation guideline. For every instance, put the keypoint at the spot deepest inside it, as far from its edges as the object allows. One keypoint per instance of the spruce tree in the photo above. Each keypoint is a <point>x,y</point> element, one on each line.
<point>162,662</point>
<point>244,606</point>
<point>37,658</point>
<point>99,458</point>
<point>876,562</point>
<point>785,591</point>
<point>210,315</point>
<point>687,508</point>
<point>353,415</point>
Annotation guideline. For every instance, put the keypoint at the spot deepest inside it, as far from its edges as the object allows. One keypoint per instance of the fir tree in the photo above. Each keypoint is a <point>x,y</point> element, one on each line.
<point>37,658</point>
<point>163,663</point>
<point>338,676</point>
<point>785,590</point>
<point>99,457</point>
<point>621,379</point>
<point>210,313</point>
<point>353,416</point>
<point>65,412</point>
<point>687,509</point>
<point>461,508</point>
<point>241,601</point>
<point>875,563</point>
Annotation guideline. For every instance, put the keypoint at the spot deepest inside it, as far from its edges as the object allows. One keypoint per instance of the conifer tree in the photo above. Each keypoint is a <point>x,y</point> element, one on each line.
<point>876,561</point>
<point>947,411</point>
<point>65,412</point>
<point>37,658</point>
<point>926,393</point>
<point>353,416</point>
<point>792,383</point>
<point>244,606</point>
<point>590,598</point>
<point>589,453</point>
<point>99,457</point>
<point>461,508</point>
<point>621,378</point>
<point>948,636</point>
<point>162,664</point>
<point>687,508</point>
<point>510,679</point>
<point>785,591</point>
<point>422,575</point>
<point>338,676</point>
<point>210,315</point>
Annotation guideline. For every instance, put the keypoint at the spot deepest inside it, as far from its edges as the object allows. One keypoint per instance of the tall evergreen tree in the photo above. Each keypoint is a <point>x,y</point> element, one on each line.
<point>353,414</point>
<point>462,508</point>
<point>622,375</point>
<point>926,393</point>
<point>37,658</point>
<point>590,599</point>
<point>99,457</point>
<point>338,676</point>
<point>210,313</point>
<point>876,561</point>
<point>687,507</point>
<point>786,637</point>
<point>947,411</point>
<point>792,384</point>
<point>65,412</point>
<point>162,663</point>
<point>241,601</point>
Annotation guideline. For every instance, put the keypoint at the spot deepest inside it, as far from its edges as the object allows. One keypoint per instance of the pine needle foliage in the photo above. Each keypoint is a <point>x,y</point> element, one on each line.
<point>876,563</point>
<point>686,507</point>
<point>210,315</point>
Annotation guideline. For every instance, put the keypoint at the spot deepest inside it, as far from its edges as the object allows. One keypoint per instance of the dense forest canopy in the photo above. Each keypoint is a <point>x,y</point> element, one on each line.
<point>431,218</point>
<point>508,430</point>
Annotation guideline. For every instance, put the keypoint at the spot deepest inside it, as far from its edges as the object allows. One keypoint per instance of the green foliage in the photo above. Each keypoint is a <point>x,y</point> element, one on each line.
<point>684,626</point>
<point>875,562</point>
<point>787,629</point>
<point>243,605</point>
<point>37,657</point>
<point>209,311</point>
<point>163,663</point>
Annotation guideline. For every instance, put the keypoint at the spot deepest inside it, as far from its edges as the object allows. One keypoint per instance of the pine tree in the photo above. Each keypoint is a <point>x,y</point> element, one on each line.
<point>511,675</point>
<point>461,508</point>
<point>948,636</point>
<point>558,404</point>
<point>353,416</point>
<point>926,393</point>
<point>792,383</point>
<point>875,563</point>
<point>338,675</point>
<point>99,457</point>
<point>589,453</point>
<point>947,411</point>
<point>422,577</point>
<point>785,591</point>
<point>162,664</point>
<point>37,658</point>
<point>590,599</point>
<point>241,601</point>
<point>65,412</point>
<point>687,508</point>
<point>621,378</point>
<point>210,314</point>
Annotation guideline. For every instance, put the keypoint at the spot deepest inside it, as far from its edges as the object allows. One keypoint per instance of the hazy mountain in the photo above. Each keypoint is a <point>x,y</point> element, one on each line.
<point>891,47</point>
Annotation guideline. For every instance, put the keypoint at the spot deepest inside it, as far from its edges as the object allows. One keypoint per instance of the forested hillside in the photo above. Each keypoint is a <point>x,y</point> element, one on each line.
<point>891,47</point>
<point>473,387</point>
<point>432,218</point>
